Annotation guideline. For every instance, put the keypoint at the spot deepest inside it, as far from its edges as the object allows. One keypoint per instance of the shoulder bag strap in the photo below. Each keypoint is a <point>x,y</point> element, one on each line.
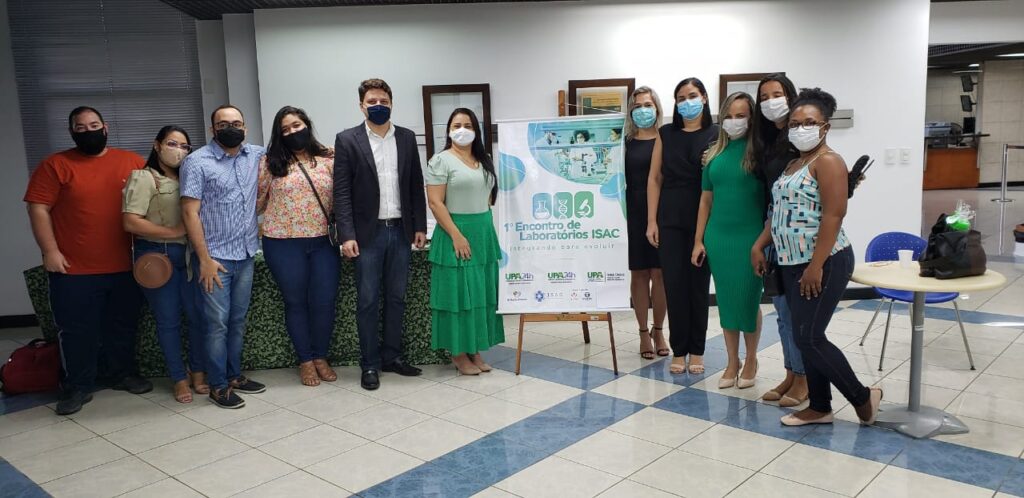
<point>315,193</point>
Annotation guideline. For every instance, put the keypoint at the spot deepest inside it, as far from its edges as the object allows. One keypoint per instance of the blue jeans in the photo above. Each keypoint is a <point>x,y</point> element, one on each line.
<point>167,304</point>
<point>382,264</point>
<point>97,318</point>
<point>307,271</point>
<point>790,353</point>
<point>824,362</point>
<point>225,310</point>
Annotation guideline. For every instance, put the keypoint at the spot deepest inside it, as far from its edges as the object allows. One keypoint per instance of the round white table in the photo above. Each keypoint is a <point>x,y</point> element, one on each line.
<point>916,420</point>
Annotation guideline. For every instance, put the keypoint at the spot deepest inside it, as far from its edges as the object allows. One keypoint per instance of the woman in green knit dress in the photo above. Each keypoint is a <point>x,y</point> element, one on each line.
<point>464,252</point>
<point>728,223</point>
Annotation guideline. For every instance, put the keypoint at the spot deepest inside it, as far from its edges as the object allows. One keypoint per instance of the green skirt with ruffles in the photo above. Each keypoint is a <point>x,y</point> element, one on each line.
<point>464,292</point>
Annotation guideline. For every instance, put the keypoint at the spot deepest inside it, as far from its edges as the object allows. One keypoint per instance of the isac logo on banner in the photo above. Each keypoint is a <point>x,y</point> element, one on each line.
<point>563,205</point>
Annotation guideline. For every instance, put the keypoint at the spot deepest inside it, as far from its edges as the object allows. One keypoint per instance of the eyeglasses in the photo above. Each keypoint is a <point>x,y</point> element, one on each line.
<point>806,125</point>
<point>176,145</point>
<point>223,125</point>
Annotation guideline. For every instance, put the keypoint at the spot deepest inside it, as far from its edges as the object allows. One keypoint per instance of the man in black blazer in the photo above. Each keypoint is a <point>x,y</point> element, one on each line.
<point>380,207</point>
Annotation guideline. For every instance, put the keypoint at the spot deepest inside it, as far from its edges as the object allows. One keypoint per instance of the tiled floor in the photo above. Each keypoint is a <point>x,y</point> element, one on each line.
<point>567,427</point>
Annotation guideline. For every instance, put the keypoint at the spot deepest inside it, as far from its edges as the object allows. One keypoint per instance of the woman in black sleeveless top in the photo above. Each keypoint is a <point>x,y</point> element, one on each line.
<point>646,284</point>
<point>674,190</point>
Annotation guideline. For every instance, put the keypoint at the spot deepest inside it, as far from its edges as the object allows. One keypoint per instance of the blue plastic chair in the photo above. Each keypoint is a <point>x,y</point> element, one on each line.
<point>886,247</point>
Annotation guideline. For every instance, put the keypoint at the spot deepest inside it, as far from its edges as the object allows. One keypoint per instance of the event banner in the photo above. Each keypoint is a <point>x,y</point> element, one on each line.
<point>561,216</point>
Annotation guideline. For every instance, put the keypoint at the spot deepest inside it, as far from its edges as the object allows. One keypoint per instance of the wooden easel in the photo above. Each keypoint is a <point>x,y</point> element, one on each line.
<point>584,318</point>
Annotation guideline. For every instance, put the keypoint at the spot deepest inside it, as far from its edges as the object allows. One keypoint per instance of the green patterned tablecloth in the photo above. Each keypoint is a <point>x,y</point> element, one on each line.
<point>266,341</point>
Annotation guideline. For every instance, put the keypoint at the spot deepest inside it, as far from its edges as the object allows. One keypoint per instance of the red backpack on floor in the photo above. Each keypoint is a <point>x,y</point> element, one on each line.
<point>32,368</point>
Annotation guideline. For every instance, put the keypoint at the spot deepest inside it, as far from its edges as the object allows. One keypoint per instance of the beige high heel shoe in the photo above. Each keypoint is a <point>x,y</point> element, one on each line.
<point>748,383</point>
<point>728,382</point>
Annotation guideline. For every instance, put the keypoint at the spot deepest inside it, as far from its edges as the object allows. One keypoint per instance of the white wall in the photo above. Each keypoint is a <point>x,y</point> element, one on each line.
<point>19,251</point>
<point>977,22</point>
<point>213,66</point>
<point>315,58</point>
<point>1002,102</point>
<point>943,97</point>
<point>243,85</point>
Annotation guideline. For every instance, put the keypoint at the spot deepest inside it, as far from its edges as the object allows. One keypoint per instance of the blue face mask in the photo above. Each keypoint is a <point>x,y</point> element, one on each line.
<point>690,109</point>
<point>643,117</point>
<point>378,114</point>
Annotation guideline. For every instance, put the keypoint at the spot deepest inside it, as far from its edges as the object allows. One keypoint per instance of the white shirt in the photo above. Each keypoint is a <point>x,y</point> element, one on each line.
<point>385,156</point>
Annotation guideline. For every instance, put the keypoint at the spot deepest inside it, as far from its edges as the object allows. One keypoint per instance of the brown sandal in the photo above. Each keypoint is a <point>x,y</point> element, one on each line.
<point>307,373</point>
<point>324,370</point>
<point>182,392</point>
<point>198,381</point>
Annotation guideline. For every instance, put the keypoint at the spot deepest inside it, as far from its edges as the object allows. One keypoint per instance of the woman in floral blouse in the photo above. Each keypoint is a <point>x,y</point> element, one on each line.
<point>298,252</point>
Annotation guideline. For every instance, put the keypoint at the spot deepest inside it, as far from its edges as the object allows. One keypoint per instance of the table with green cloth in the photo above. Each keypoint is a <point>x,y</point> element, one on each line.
<point>267,344</point>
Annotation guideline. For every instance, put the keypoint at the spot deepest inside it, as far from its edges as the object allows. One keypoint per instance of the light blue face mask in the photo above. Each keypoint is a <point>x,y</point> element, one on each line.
<point>643,117</point>
<point>689,109</point>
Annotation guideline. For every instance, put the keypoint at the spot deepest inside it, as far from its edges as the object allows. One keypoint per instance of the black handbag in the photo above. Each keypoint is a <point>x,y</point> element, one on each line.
<point>332,227</point>
<point>772,274</point>
<point>952,253</point>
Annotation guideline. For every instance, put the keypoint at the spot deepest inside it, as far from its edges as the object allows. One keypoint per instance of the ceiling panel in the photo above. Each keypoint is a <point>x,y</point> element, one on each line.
<point>213,9</point>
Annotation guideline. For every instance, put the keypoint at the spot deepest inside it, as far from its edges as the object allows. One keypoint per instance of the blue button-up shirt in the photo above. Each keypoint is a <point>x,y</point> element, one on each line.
<point>226,189</point>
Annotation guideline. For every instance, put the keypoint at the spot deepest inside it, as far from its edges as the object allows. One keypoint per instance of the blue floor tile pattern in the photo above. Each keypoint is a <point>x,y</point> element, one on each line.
<point>14,484</point>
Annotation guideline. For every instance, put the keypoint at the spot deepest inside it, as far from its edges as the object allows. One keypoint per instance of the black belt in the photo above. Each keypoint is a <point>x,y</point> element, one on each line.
<point>391,222</point>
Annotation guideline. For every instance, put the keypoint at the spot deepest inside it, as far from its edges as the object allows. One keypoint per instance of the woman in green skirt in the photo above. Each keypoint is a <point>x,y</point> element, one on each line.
<point>728,223</point>
<point>464,253</point>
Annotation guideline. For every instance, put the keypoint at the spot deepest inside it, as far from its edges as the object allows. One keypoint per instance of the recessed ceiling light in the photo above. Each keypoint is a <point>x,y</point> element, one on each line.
<point>1018,54</point>
<point>974,65</point>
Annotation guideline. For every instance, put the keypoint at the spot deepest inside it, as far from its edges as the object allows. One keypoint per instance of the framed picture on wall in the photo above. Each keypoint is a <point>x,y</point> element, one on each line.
<point>589,97</point>
<point>440,100</point>
<point>743,82</point>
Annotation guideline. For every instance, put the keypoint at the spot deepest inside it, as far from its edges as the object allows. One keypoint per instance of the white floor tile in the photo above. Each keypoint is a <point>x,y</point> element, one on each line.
<point>295,484</point>
<point>631,489</point>
<point>379,421</point>
<point>159,432</point>
<point>571,350</point>
<point>1006,366</point>
<point>431,439</point>
<point>1003,411</point>
<point>191,453</point>
<point>268,427</point>
<point>110,479</point>
<point>215,417</point>
<point>638,389</point>
<point>953,341</point>
<point>558,478</point>
<point>532,341</point>
<point>614,453</point>
<point>27,420</point>
<point>692,475</point>
<point>292,393</point>
<point>898,391</point>
<point>363,467</point>
<point>629,361</point>
<point>488,383</point>
<point>235,474</point>
<point>489,414</point>
<point>167,488</point>
<point>440,373</point>
<point>43,439</point>
<point>766,486</point>
<point>934,375</point>
<point>493,492</point>
<point>710,384</point>
<point>437,399</point>
<point>736,447</point>
<point>394,386</point>
<point>312,446</point>
<point>537,393</point>
<point>817,468</point>
<point>61,462</point>
<point>661,427</point>
<point>998,387</point>
<point>334,406</point>
<point>894,481</point>
<point>111,411</point>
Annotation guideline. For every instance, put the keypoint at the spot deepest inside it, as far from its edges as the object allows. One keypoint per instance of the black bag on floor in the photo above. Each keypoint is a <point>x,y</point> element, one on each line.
<point>951,253</point>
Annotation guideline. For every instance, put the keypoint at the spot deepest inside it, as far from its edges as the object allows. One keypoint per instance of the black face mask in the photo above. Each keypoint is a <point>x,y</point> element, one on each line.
<point>91,142</point>
<point>230,137</point>
<point>298,140</point>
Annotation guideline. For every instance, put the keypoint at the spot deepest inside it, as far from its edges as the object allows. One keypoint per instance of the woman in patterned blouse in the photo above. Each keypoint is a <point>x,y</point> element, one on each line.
<point>295,184</point>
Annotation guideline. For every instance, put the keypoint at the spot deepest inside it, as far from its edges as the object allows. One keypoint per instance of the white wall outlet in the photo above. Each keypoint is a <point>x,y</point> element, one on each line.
<point>904,156</point>
<point>890,157</point>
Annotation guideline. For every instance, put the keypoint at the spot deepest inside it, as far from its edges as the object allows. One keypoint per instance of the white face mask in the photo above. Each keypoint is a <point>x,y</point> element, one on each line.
<point>736,128</point>
<point>805,139</point>
<point>462,136</point>
<point>775,109</point>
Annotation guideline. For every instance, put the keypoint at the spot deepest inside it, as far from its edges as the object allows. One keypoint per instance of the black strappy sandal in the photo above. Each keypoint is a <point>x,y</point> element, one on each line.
<point>647,355</point>
<point>661,352</point>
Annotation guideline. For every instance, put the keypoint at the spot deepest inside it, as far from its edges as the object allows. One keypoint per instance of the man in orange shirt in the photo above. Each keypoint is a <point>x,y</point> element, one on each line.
<point>74,205</point>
